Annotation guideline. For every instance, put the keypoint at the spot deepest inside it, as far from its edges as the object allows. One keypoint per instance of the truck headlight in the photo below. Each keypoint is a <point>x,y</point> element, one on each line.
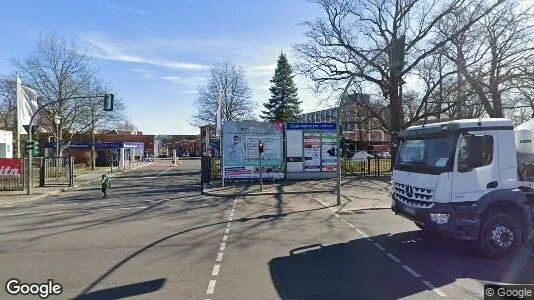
<point>439,218</point>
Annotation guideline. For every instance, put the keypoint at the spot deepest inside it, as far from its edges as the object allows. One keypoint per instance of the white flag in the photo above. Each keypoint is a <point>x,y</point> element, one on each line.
<point>218,125</point>
<point>26,105</point>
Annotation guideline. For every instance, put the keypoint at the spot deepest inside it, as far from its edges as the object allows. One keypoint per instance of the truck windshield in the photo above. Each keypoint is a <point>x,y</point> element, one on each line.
<point>429,155</point>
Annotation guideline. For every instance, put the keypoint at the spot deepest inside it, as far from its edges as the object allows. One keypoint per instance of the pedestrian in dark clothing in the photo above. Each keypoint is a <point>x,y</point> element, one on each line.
<point>104,181</point>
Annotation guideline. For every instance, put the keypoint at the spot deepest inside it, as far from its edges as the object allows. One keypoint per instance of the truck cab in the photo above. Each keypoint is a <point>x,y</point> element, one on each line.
<point>460,178</point>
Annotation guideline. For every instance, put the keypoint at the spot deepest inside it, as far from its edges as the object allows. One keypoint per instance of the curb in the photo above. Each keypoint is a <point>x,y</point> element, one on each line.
<point>39,197</point>
<point>325,205</point>
<point>215,194</point>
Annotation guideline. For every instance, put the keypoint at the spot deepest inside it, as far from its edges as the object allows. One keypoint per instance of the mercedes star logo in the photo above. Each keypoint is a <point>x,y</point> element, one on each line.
<point>409,191</point>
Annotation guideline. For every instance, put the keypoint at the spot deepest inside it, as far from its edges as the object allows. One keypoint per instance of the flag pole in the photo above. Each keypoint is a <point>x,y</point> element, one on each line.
<point>18,115</point>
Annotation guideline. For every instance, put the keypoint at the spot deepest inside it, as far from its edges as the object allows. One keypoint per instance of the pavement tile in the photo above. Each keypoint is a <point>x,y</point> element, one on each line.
<point>356,194</point>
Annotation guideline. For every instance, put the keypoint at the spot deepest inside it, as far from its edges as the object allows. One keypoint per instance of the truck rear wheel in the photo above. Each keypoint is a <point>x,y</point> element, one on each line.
<point>500,236</point>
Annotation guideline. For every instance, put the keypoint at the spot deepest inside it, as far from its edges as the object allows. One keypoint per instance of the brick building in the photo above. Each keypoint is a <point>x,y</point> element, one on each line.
<point>358,124</point>
<point>108,145</point>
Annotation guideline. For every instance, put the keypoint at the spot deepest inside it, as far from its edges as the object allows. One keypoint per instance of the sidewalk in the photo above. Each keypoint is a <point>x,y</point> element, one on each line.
<point>82,178</point>
<point>356,194</point>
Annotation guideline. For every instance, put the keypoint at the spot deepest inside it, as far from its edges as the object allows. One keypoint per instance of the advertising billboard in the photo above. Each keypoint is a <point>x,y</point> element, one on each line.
<point>311,147</point>
<point>240,150</point>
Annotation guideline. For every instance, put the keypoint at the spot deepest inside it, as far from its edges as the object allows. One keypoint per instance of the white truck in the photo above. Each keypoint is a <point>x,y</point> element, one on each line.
<point>471,179</point>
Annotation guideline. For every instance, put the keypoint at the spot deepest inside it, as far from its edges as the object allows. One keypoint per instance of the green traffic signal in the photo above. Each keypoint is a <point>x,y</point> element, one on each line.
<point>35,150</point>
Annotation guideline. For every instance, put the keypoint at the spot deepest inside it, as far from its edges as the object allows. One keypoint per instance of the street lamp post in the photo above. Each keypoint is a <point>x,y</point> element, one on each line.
<point>57,120</point>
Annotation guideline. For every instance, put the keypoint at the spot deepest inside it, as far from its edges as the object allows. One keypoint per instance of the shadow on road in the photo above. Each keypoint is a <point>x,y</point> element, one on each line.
<point>355,269</point>
<point>161,240</point>
<point>120,292</point>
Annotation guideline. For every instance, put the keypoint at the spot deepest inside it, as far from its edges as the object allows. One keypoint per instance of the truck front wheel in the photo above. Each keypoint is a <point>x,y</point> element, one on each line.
<point>500,236</point>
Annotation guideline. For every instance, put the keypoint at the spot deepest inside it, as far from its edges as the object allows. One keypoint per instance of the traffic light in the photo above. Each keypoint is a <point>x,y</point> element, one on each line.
<point>260,147</point>
<point>108,102</point>
<point>35,150</point>
<point>29,145</point>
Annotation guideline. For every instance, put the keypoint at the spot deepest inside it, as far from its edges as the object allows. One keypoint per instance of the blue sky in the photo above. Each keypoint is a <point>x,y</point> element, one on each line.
<point>156,53</point>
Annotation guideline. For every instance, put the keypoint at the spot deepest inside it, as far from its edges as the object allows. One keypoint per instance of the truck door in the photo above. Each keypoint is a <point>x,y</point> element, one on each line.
<point>476,170</point>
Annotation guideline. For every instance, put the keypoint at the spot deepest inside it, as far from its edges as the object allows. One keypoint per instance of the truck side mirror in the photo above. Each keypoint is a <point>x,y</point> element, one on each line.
<point>472,157</point>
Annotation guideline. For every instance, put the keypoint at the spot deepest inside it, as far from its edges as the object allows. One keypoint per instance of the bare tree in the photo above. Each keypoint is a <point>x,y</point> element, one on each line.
<point>57,70</point>
<point>494,53</point>
<point>127,125</point>
<point>8,102</point>
<point>93,117</point>
<point>227,80</point>
<point>380,41</point>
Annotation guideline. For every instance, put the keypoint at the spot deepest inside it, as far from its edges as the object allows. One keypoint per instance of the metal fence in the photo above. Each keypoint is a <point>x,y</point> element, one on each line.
<point>372,167</point>
<point>56,171</point>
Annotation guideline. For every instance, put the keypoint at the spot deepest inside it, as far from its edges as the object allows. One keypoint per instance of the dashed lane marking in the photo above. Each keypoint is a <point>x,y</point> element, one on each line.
<point>220,254</point>
<point>394,258</point>
<point>164,172</point>
<point>379,247</point>
<point>433,288</point>
<point>211,287</point>
<point>216,269</point>
<point>429,285</point>
<point>411,271</point>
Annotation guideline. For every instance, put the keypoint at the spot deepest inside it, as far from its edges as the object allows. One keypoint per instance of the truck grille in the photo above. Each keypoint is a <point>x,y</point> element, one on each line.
<point>412,195</point>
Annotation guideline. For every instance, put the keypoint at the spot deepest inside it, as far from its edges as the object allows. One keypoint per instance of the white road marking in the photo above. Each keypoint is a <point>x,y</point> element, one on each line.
<point>103,202</point>
<point>395,259</point>
<point>434,289</point>
<point>164,171</point>
<point>215,271</point>
<point>16,214</point>
<point>211,287</point>
<point>411,271</point>
<point>217,267</point>
<point>379,246</point>
<point>105,209</point>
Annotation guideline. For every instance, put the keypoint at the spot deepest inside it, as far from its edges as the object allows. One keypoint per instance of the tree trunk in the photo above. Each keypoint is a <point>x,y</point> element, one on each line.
<point>93,156</point>
<point>396,115</point>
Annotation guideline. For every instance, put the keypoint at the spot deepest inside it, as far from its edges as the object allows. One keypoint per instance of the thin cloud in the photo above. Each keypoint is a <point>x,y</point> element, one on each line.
<point>108,51</point>
<point>261,70</point>
<point>190,81</point>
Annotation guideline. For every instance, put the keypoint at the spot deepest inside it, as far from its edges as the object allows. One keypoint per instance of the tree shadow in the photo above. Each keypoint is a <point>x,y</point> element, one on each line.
<point>159,241</point>
<point>357,269</point>
<point>130,290</point>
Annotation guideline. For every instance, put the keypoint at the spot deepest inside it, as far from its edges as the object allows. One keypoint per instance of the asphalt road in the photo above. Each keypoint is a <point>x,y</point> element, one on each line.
<point>156,237</point>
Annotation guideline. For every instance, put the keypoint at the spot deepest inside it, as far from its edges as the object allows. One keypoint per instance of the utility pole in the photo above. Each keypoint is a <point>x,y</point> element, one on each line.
<point>260,150</point>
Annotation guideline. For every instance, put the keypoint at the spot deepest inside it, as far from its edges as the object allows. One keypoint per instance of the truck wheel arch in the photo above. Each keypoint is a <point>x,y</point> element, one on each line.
<point>508,201</point>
